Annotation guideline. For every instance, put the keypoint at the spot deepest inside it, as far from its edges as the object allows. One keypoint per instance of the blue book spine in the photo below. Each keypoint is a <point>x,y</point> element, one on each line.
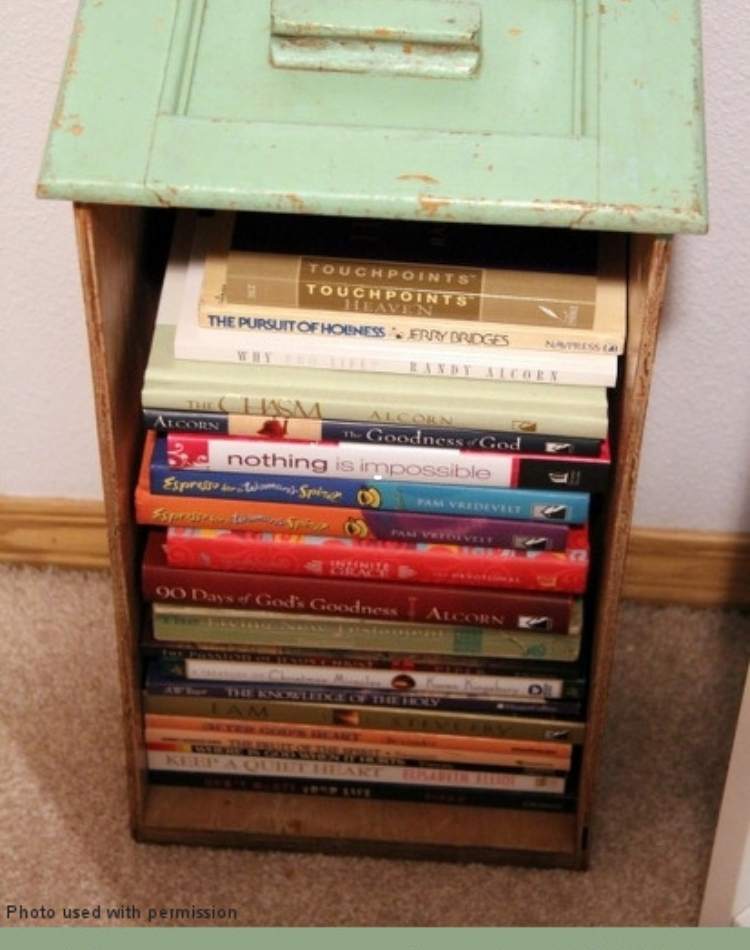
<point>515,504</point>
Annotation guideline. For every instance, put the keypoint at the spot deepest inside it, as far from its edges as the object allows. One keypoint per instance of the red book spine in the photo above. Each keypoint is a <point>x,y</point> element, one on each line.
<point>371,600</point>
<point>395,562</point>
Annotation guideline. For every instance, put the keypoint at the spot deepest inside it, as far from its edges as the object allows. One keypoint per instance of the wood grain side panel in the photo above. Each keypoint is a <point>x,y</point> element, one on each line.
<point>649,257</point>
<point>120,308</point>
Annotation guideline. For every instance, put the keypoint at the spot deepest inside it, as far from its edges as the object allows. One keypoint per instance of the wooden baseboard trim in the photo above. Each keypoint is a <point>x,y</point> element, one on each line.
<point>699,569</point>
<point>50,531</point>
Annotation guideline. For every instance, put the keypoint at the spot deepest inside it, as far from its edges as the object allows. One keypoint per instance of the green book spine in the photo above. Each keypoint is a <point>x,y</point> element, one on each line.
<point>468,724</point>
<point>292,392</point>
<point>203,625</point>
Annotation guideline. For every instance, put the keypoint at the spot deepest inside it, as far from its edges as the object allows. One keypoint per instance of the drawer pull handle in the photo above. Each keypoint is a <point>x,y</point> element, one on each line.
<point>436,39</point>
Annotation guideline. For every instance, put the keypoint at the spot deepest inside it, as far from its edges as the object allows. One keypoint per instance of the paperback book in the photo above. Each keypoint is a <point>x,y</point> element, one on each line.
<point>573,301</point>
<point>294,392</point>
<point>519,504</point>
<point>498,725</point>
<point>554,755</point>
<point>337,522</point>
<point>363,791</point>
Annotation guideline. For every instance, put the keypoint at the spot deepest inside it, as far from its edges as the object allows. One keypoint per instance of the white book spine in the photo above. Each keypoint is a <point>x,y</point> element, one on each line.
<point>347,460</point>
<point>502,365</point>
<point>458,684</point>
<point>159,760</point>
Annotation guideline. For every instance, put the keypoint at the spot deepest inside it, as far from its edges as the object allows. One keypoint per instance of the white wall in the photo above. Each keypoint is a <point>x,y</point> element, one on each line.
<point>697,449</point>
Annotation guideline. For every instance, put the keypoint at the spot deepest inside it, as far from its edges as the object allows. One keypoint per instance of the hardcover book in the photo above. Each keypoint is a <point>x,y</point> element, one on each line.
<point>331,430</point>
<point>511,685</point>
<point>356,599</point>
<point>367,463</point>
<point>279,632</point>
<point>157,684</point>
<point>378,659</point>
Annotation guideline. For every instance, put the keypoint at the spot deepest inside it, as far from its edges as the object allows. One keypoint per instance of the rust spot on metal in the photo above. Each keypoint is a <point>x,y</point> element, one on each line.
<point>308,42</point>
<point>408,48</point>
<point>431,205</point>
<point>76,129</point>
<point>71,64</point>
<point>515,31</point>
<point>42,191</point>
<point>383,32</point>
<point>427,179</point>
<point>161,200</point>
<point>296,202</point>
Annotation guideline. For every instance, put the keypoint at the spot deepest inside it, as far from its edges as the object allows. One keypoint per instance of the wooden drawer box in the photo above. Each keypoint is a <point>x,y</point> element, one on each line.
<point>572,114</point>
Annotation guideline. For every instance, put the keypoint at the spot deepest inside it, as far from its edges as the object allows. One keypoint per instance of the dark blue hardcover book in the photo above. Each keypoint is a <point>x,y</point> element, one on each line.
<point>478,440</point>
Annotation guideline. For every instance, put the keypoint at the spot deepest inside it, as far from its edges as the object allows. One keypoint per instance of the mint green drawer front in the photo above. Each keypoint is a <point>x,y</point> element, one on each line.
<point>541,112</point>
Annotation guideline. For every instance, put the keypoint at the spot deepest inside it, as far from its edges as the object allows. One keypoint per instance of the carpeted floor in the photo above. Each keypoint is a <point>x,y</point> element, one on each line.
<point>64,841</point>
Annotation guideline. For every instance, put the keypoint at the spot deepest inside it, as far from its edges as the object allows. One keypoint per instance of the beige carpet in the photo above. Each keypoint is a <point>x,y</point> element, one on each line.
<point>63,836</point>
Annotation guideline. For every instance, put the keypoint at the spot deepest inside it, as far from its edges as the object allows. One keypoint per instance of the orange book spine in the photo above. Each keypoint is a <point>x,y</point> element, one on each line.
<point>557,753</point>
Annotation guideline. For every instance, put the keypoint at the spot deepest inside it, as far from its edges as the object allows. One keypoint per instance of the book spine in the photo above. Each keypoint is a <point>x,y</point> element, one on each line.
<point>555,754</point>
<point>441,303</point>
<point>369,717</point>
<point>364,791</point>
<point>366,660</point>
<point>452,500</point>
<point>267,517</point>
<point>329,430</point>
<point>218,743</point>
<point>491,415</point>
<point>216,689</point>
<point>457,565</point>
<point>342,771</point>
<point>287,632</point>
<point>342,754</point>
<point>358,599</point>
<point>410,681</point>
<point>503,365</point>
<point>330,460</point>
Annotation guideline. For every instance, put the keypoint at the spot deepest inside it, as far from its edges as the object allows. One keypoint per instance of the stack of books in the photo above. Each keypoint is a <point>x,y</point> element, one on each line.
<point>371,484</point>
